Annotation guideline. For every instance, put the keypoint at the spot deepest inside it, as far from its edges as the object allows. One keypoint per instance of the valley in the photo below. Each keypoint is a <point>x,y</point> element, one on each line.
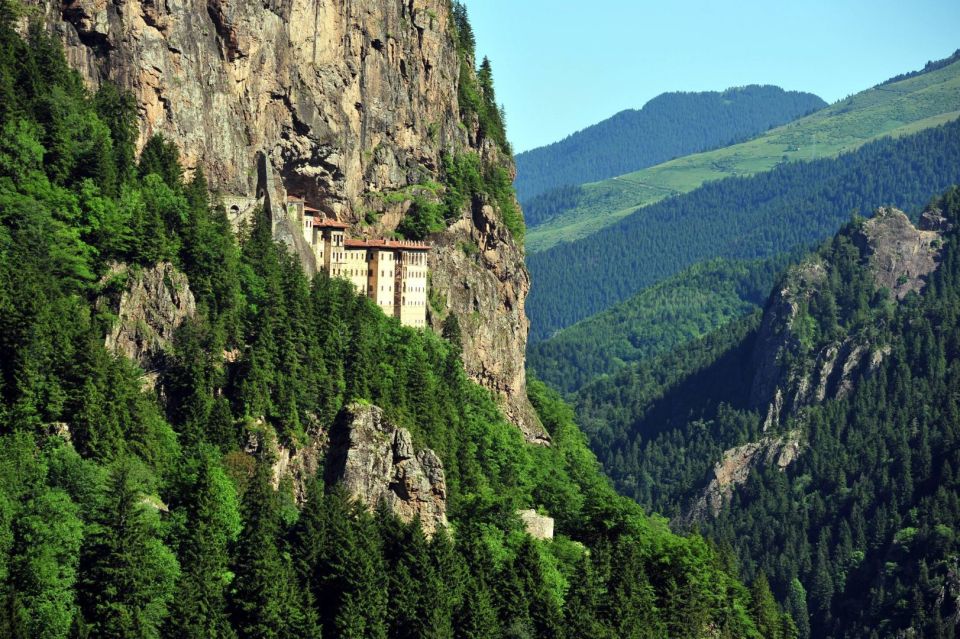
<point>292,345</point>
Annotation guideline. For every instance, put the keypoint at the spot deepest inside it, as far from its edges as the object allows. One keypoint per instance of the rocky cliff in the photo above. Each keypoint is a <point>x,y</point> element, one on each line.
<point>149,305</point>
<point>346,100</point>
<point>791,374</point>
<point>377,464</point>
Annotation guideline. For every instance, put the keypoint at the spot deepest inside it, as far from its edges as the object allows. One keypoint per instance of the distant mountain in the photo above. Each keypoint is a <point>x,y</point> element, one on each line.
<point>737,218</point>
<point>898,107</point>
<point>819,441</point>
<point>671,313</point>
<point>670,125</point>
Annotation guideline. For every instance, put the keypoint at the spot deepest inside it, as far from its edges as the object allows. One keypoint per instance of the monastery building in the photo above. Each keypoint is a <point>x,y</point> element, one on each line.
<point>393,273</point>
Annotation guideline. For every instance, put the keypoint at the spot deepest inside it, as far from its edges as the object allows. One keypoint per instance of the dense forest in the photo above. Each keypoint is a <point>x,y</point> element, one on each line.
<point>128,511</point>
<point>860,530</point>
<point>668,126</point>
<point>737,218</point>
<point>660,318</point>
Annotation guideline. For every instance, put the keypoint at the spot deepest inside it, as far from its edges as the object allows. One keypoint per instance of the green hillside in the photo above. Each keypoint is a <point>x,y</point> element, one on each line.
<point>664,316</point>
<point>753,217</point>
<point>858,534</point>
<point>891,109</point>
<point>140,512</point>
<point>668,126</point>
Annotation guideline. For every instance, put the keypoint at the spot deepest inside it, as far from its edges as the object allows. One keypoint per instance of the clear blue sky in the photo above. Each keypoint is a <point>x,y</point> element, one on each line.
<point>561,65</point>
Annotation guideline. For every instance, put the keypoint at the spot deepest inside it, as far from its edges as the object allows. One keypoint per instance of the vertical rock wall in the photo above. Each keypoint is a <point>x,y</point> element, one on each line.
<point>346,99</point>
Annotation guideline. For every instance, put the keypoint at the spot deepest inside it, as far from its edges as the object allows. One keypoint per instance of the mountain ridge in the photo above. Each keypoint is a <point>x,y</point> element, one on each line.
<point>669,125</point>
<point>896,108</point>
<point>780,436</point>
<point>751,217</point>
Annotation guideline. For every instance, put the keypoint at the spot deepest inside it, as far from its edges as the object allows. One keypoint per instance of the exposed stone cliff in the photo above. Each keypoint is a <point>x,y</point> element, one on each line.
<point>377,464</point>
<point>898,256</point>
<point>150,305</point>
<point>789,376</point>
<point>346,99</point>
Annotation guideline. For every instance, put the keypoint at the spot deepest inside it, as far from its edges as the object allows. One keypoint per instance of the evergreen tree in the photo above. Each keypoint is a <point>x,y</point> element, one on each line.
<point>161,157</point>
<point>127,573</point>
<point>199,608</point>
<point>764,609</point>
<point>266,601</point>
<point>43,566</point>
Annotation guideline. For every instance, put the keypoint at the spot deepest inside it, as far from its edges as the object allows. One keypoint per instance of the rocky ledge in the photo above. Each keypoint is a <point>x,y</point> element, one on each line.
<point>378,465</point>
<point>150,305</point>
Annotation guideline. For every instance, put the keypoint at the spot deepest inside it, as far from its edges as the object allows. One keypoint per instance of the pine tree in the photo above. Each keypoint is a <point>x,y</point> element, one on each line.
<point>476,614</point>
<point>582,602</point>
<point>266,600</point>
<point>127,573</point>
<point>161,157</point>
<point>763,608</point>
<point>43,566</point>
<point>797,607</point>
<point>212,524</point>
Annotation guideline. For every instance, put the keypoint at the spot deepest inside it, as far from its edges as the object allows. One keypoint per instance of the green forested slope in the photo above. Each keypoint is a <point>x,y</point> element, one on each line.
<point>681,308</point>
<point>896,108</point>
<point>151,518</point>
<point>668,126</point>
<point>739,218</point>
<point>860,531</point>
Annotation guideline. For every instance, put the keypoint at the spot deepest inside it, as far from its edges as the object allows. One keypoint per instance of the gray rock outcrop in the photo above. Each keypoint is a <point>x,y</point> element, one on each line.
<point>899,257</point>
<point>150,306</point>
<point>735,466</point>
<point>377,464</point>
<point>288,462</point>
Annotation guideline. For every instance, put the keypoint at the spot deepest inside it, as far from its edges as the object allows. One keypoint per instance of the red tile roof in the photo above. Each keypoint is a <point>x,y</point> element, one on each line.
<point>406,245</point>
<point>294,198</point>
<point>326,223</point>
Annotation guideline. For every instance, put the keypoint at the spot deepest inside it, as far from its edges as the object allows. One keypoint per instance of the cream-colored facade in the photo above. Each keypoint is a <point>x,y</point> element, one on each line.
<point>393,273</point>
<point>412,294</point>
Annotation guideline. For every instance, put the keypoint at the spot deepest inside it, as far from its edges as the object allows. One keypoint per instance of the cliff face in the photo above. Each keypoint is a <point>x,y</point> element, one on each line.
<point>150,305</point>
<point>377,464</point>
<point>898,257</point>
<point>790,377</point>
<point>345,99</point>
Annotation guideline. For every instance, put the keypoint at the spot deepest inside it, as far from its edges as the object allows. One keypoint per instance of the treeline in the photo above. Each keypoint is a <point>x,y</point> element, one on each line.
<point>860,531</point>
<point>468,179</point>
<point>132,512</point>
<point>932,65</point>
<point>660,318</point>
<point>668,126</point>
<point>477,98</point>
<point>736,218</point>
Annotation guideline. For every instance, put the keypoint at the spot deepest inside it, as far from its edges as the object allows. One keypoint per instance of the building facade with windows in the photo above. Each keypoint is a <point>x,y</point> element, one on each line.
<point>393,273</point>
